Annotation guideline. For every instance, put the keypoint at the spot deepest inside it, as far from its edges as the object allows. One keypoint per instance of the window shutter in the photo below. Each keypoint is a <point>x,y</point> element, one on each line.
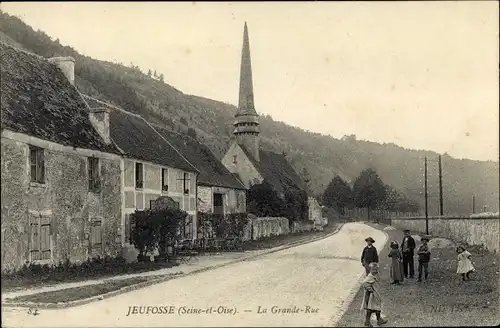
<point>45,241</point>
<point>35,240</point>
<point>33,166</point>
<point>40,166</point>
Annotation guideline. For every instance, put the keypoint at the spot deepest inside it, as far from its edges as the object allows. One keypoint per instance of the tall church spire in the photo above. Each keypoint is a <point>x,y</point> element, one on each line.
<point>247,120</point>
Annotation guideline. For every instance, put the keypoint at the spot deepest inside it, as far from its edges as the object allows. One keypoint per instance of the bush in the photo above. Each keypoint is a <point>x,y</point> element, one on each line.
<point>153,229</point>
<point>230,225</point>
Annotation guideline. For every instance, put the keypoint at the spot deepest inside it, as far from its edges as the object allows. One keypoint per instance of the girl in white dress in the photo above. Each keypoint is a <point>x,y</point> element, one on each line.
<point>465,266</point>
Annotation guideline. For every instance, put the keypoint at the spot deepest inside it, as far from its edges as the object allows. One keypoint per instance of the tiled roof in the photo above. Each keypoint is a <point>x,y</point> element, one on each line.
<point>138,139</point>
<point>277,171</point>
<point>212,171</point>
<point>38,100</point>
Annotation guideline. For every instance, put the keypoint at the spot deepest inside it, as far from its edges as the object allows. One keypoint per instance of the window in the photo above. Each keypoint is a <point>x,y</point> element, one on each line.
<point>186,183</point>
<point>234,159</point>
<point>37,165</point>
<point>40,234</point>
<point>139,176</point>
<point>94,181</point>
<point>164,179</point>
<point>96,235</point>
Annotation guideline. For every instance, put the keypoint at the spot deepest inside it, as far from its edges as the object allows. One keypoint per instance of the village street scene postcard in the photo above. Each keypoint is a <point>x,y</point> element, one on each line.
<point>250,164</point>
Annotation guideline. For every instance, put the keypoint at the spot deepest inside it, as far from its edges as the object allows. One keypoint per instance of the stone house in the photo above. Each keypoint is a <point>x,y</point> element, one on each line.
<point>61,188</point>
<point>245,158</point>
<point>219,191</point>
<point>151,168</point>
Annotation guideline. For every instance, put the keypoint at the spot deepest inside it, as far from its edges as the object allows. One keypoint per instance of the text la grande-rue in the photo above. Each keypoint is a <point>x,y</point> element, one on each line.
<point>286,310</point>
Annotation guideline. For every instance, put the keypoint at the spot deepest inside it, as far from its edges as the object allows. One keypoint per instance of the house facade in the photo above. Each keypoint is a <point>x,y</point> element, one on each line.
<point>219,191</point>
<point>151,168</point>
<point>61,188</point>
<point>246,159</point>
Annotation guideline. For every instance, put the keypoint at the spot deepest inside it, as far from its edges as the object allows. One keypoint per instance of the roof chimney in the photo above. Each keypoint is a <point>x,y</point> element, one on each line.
<point>99,117</point>
<point>67,66</point>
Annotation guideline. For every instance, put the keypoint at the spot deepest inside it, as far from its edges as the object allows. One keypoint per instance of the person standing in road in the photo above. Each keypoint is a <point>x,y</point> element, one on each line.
<point>369,254</point>
<point>372,301</point>
<point>408,250</point>
<point>424,257</point>
<point>396,264</point>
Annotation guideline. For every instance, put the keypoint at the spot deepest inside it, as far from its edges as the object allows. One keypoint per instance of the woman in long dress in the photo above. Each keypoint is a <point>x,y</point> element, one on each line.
<point>464,266</point>
<point>396,264</point>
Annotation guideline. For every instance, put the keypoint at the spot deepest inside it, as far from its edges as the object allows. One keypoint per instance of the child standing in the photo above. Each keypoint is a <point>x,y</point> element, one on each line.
<point>424,257</point>
<point>465,266</point>
<point>369,254</point>
<point>372,302</point>
<point>396,263</point>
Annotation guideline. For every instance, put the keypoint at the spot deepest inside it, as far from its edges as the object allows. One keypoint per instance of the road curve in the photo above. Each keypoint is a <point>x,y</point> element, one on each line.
<point>300,286</point>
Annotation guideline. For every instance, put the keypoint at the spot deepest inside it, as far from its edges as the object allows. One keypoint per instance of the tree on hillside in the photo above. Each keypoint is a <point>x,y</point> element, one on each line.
<point>338,195</point>
<point>149,73</point>
<point>161,77</point>
<point>192,133</point>
<point>369,190</point>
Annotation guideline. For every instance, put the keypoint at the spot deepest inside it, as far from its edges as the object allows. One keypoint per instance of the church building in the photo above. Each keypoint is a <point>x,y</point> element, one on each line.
<point>245,157</point>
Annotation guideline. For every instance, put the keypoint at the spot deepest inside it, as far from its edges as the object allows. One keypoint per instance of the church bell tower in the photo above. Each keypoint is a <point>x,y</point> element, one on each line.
<point>246,125</point>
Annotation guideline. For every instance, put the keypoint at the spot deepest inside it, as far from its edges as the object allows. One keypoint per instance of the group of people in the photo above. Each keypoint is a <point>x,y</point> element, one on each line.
<point>402,266</point>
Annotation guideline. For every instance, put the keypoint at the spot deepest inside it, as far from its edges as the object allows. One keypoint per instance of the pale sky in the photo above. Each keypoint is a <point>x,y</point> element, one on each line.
<point>423,75</point>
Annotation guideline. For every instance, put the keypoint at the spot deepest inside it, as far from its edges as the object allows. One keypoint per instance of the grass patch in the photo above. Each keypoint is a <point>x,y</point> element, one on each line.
<point>275,241</point>
<point>37,275</point>
<point>444,300</point>
<point>79,293</point>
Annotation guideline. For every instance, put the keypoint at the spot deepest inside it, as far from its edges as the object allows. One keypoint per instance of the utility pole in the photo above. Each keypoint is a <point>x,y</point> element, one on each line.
<point>473,204</point>
<point>426,209</point>
<point>440,188</point>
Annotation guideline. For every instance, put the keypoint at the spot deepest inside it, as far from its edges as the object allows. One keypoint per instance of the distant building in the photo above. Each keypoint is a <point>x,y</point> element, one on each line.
<point>245,158</point>
<point>219,191</point>
<point>61,190</point>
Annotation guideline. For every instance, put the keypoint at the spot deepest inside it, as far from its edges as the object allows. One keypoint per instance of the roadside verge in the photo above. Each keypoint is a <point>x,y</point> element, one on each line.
<point>254,255</point>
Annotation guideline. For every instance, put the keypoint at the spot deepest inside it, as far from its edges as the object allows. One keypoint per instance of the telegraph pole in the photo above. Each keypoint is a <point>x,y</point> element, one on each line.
<point>426,209</point>
<point>473,204</point>
<point>440,188</point>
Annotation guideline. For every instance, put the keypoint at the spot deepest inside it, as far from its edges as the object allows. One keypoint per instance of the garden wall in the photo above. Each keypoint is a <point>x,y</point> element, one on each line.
<point>264,227</point>
<point>472,230</point>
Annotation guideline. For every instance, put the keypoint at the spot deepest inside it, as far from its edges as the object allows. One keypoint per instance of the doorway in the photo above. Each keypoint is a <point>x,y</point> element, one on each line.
<point>218,203</point>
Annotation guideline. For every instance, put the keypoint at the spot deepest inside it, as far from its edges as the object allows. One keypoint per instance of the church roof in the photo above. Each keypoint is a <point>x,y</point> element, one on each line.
<point>212,171</point>
<point>138,139</point>
<point>38,100</point>
<point>277,171</point>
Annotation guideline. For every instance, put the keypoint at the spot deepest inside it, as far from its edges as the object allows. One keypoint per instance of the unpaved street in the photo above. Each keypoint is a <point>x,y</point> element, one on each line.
<point>314,278</point>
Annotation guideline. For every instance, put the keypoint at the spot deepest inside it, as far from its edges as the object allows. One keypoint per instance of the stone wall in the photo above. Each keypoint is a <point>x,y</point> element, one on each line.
<point>473,231</point>
<point>264,227</point>
<point>236,161</point>
<point>62,206</point>
<point>299,226</point>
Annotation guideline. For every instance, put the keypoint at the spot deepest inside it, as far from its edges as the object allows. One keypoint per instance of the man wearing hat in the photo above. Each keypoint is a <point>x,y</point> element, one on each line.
<point>407,248</point>
<point>369,255</point>
<point>424,257</point>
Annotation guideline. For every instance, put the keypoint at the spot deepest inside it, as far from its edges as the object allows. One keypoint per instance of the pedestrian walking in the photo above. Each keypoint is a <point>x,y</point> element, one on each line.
<point>396,263</point>
<point>407,248</point>
<point>465,266</point>
<point>372,301</point>
<point>369,254</point>
<point>424,257</point>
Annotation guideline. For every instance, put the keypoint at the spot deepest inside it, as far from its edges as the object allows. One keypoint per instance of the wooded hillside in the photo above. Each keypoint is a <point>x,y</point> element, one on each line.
<point>210,121</point>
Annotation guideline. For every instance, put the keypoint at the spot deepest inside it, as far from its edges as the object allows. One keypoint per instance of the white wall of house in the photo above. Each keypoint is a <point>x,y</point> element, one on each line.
<point>234,200</point>
<point>155,179</point>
